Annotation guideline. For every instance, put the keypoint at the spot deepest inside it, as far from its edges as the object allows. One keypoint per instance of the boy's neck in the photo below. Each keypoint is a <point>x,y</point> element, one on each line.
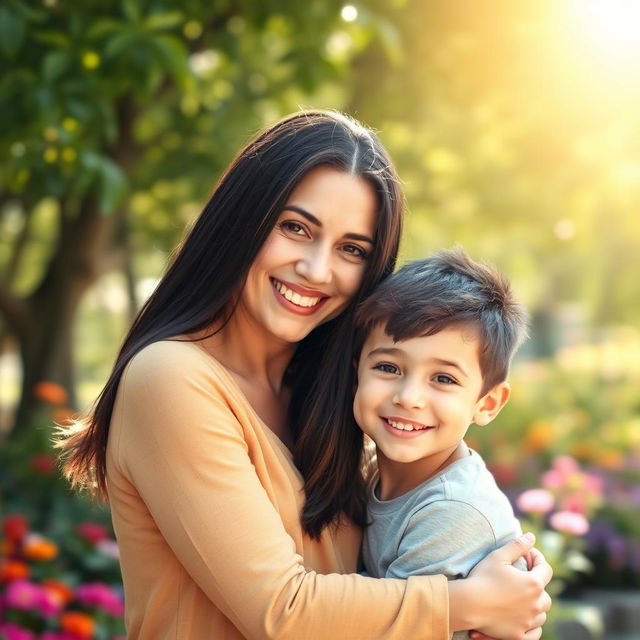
<point>398,478</point>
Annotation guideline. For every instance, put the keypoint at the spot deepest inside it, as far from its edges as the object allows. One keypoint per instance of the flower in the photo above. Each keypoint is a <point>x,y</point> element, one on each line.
<point>50,392</point>
<point>569,522</point>
<point>23,595</point>
<point>109,548</point>
<point>92,532</point>
<point>10,631</point>
<point>43,464</point>
<point>13,570</point>
<point>60,590</point>
<point>77,623</point>
<point>37,547</point>
<point>535,501</point>
<point>15,527</point>
<point>101,596</point>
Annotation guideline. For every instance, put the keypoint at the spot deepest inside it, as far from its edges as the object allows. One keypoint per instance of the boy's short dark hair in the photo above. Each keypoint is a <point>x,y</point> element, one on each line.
<point>426,296</point>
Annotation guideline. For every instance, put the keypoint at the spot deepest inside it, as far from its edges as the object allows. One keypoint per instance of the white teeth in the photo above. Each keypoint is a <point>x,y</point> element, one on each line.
<point>296,298</point>
<point>403,426</point>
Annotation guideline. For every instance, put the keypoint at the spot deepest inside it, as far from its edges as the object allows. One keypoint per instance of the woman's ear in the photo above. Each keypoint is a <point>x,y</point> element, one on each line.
<point>491,403</point>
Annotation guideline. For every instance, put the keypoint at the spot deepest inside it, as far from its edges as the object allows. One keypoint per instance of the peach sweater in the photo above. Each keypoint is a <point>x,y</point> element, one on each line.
<point>206,502</point>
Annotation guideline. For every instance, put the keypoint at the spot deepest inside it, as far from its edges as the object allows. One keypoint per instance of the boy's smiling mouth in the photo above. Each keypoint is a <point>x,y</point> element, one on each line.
<point>406,425</point>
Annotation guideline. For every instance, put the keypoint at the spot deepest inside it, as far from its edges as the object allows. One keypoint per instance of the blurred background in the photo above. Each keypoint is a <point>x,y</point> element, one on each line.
<point>515,130</point>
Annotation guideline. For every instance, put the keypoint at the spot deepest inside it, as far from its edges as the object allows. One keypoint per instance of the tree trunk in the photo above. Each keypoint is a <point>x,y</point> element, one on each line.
<point>85,250</point>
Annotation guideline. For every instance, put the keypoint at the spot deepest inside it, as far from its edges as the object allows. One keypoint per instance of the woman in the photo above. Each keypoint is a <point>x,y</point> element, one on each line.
<point>239,357</point>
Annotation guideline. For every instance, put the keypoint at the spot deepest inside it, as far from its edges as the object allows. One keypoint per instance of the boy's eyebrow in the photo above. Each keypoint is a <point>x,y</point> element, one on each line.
<point>394,351</point>
<point>313,220</point>
<point>385,351</point>
<point>451,363</point>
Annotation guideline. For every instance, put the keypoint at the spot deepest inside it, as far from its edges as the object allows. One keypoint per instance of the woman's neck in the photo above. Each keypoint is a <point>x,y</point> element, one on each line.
<point>249,354</point>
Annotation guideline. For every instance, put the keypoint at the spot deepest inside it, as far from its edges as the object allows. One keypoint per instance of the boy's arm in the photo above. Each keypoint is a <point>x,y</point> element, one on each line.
<point>444,537</point>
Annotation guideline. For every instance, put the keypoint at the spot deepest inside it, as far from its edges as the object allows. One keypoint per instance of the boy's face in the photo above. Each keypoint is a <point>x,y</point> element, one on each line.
<point>417,397</point>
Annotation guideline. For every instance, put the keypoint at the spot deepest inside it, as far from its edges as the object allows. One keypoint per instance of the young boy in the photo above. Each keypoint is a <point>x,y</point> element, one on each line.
<point>438,337</point>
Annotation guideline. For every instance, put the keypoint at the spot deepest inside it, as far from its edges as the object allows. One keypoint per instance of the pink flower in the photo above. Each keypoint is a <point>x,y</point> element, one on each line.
<point>593,484</point>
<point>552,479</point>
<point>23,595</point>
<point>101,596</point>
<point>569,522</point>
<point>109,547</point>
<point>535,501</point>
<point>566,465</point>
<point>576,502</point>
<point>92,532</point>
<point>10,631</point>
<point>50,604</point>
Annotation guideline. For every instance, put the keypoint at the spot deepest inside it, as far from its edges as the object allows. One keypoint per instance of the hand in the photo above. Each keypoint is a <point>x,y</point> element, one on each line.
<point>500,601</point>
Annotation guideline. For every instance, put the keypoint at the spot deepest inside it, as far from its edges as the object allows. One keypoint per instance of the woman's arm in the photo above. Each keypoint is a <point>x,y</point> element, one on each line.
<point>498,599</point>
<point>214,499</point>
<point>209,491</point>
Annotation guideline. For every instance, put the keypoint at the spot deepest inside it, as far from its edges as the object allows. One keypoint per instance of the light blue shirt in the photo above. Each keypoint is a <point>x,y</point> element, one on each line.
<point>445,526</point>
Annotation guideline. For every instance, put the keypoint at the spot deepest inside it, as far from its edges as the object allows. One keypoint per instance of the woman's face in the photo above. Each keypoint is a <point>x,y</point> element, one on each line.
<point>314,259</point>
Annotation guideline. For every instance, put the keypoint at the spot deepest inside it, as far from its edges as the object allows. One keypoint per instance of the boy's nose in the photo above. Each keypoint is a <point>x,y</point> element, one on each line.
<point>410,395</point>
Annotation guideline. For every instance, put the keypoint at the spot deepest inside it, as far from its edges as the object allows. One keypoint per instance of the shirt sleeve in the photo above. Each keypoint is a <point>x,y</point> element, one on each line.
<point>183,448</point>
<point>445,537</point>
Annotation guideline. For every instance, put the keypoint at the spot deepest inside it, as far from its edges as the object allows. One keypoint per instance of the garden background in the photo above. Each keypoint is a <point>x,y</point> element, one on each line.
<point>515,129</point>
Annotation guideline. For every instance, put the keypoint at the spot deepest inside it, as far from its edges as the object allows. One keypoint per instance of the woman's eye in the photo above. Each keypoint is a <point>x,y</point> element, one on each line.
<point>355,251</point>
<point>386,367</point>
<point>445,379</point>
<point>293,227</point>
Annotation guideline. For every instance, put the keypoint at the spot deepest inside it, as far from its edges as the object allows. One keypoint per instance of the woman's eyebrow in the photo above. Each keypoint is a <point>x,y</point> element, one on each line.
<point>313,220</point>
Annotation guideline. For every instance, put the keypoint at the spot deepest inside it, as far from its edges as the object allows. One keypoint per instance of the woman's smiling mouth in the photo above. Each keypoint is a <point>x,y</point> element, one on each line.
<point>297,299</point>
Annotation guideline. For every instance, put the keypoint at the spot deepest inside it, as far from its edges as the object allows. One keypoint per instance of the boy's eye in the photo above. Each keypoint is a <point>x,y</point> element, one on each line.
<point>443,378</point>
<point>387,367</point>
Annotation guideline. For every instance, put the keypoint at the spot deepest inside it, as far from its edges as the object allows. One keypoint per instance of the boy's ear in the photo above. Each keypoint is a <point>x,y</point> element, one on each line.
<point>489,405</point>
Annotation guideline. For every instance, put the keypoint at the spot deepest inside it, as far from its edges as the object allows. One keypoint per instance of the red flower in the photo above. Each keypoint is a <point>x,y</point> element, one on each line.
<point>78,624</point>
<point>43,463</point>
<point>15,527</point>
<point>92,532</point>
<point>13,570</point>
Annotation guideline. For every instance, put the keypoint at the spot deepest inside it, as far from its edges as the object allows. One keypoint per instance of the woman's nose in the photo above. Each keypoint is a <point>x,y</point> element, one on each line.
<point>315,265</point>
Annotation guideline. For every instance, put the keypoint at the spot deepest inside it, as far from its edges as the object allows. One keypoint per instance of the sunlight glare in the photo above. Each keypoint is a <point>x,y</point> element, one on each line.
<point>612,26</point>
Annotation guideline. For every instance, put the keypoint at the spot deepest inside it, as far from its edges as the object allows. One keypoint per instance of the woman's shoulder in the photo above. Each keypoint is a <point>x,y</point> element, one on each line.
<point>173,362</point>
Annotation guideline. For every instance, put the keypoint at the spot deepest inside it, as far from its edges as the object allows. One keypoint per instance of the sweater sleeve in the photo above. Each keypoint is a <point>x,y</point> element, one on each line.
<point>184,450</point>
<point>446,537</point>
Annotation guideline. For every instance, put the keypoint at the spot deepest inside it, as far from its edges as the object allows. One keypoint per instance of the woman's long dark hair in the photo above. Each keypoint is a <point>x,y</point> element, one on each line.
<point>212,263</point>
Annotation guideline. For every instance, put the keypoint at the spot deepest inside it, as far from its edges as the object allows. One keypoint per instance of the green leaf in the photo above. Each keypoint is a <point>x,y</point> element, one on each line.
<point>113,186</point>
<point>172,56</point>
<point>120,43</point>
<point>163,21</point>
<point>131,9</point>
<point>55,64</point>
<point>55,38</point>
<point>103,27</point>
<point>12,28</point>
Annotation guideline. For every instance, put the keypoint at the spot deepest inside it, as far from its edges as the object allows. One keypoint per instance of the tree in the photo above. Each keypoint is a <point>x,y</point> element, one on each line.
<point>101,101</point>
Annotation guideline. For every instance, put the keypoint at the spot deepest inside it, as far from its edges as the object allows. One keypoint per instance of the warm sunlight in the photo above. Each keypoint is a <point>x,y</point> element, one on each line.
<point>611,26</point>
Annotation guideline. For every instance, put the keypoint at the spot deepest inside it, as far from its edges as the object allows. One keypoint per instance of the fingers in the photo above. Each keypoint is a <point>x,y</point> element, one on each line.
<point>515,549</point>
<point>533,634</point>
<point>542,569</point>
